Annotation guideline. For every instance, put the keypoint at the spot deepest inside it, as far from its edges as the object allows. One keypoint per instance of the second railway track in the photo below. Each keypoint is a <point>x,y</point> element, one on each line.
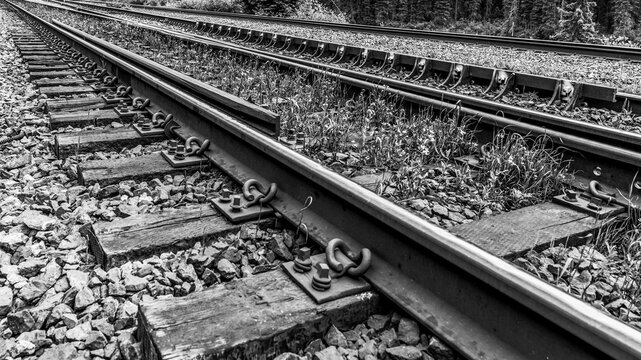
<point>607,51</point>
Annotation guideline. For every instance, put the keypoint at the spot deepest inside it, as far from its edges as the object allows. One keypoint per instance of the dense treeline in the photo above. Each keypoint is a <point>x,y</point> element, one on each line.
<point>576,20</point>
<point>541,18</point>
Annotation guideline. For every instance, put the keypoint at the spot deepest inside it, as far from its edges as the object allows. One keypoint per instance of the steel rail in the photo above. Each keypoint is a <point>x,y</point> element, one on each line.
<point>481,305</point>
<point>597,50</point>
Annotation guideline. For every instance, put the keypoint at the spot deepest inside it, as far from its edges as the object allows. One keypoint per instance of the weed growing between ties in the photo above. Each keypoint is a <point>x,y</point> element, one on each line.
<point>514,171</point>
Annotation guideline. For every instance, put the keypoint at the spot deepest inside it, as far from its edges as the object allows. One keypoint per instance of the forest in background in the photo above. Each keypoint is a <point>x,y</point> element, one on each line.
<point>605,21</point>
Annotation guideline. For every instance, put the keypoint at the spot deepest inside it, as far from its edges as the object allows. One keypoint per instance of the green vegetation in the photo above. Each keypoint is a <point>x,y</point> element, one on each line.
<point>612,22</point>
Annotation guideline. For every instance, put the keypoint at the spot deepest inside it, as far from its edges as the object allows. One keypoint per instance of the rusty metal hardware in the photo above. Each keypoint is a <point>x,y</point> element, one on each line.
<point>109,80</point>
<point>139,103</point>
<point>263,197</point>
<point>236,204</point>
<point>322,285</point>
<point>599,207</point>
<point>159,119</point>
<point>122,107</point>
<point>172,146</point>
<point>302,262</point>
<point>100,73</point>
<point>197,150</point>
<point>90,66</point>
<point>180,154</point>
<point>225,195</point>
<point>170,128</point>
<point>596,189</point>
<point>359,261</point>
<point>122,91</point>
<point>242,205</point>
<point>570,196</point>
<point>321,280</point>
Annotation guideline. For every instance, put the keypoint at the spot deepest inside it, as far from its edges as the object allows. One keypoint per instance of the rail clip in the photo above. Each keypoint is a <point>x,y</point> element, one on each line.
<point>189,153</point>
<point>322,276</point>
<point>593,202</point>
<point>252,204</point>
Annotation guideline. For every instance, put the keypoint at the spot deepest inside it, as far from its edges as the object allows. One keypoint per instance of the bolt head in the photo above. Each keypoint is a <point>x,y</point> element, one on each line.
<point>322,270</point>
<point>303,253</point>
<point>235,203</point>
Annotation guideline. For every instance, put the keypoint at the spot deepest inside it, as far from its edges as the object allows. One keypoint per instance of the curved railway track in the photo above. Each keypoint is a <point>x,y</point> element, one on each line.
<point>606,51</point>
<point>481,305</point>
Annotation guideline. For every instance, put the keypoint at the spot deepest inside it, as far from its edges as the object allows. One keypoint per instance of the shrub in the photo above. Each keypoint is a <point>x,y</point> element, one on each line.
<point>209,5</point>
<point>270,7</point>
<point>314,10</point>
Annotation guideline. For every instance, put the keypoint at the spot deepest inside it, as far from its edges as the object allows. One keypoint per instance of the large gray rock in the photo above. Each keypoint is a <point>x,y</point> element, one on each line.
<point>367,349</point>
<point>60,352</point>
<point>329,353</point>
<point>187,272</point>
<point>277,245</point>
<point>80,332</point>
<point>440,210</point>
<point>335,337</point>
<point>404,352</point>
<point>128,348</point>
<point>103,326</point>
<point>31,267</point>
<point>116,289</point>
<point>227,269</point>
<point>134,283</point>
<point>77,279</point>
<point>288,356</point>
<point>408,331</point>
<point>56,314</point>
<point>12,241</point>
<point>36,337</point>
<point>377,322</point>
<point>51,274</point>
<point>440,350</point>
<point>6,299</point>
<point>22,348</point>
<point>33,290</point>
<point>84,298</point>
<point>95,340</point>
<point>20,321</point>
<point>36,220</point>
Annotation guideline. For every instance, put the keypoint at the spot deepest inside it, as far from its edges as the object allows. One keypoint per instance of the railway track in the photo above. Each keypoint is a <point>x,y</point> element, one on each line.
<point>481,305</point>
<point>607,51</point>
